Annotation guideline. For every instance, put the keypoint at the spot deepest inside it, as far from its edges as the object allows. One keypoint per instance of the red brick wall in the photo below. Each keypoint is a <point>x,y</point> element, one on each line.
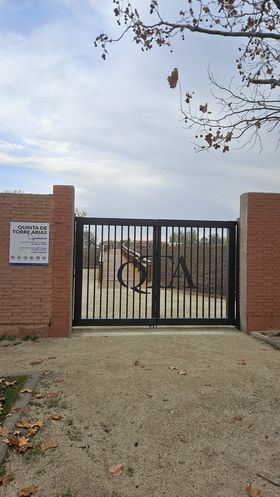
<point>37,299</point>
<point>261,234</point>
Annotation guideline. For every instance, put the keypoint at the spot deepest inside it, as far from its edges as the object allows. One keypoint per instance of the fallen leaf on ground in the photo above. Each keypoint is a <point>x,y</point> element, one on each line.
<point>172,367</point>
<point>137,363</point>
<point>31,426</point>
<point>18,441</point>
<point>10,383</point>
<point>237,418</point>
<point>6,479</point>
<point>27,491</point>
<point>47,395</point>
<point>116,469</point>
<point>4,431</point>
<point>39,361</point>
<point>182,372</point>
<point>242,362</point>
<point>48,444</point>
<point>56,416</point>
<point>52,357</point>
<point>40,395</point>
<point>21,444</point>
<point>252,492</point>
<point>25,423</point>
<point>58,380</point>
<point>26,390</point>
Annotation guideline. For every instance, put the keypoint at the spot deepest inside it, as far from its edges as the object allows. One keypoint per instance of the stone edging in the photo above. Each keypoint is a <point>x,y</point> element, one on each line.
<point>266,339</point>
<point>24,398</point>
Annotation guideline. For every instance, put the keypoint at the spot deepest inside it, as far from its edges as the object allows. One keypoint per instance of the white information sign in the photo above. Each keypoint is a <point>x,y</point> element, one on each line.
<point>29,243</point>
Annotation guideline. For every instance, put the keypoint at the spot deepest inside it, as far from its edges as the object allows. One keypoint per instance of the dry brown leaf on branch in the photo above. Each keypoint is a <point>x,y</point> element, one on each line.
<point>116,469</point>
<point>48,444</point>
<point>252,492</point>
<point>182,372</point>
<point>6,479</point>
<point>27,491</point>
<point>173,78</point>
<point>209,139</point>
<point>56,417</point>
<point>203,108</point>
<point>4,431</point>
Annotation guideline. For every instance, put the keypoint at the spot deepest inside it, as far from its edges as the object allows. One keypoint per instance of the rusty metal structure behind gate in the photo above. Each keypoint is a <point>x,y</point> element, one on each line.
<point>153,272</point>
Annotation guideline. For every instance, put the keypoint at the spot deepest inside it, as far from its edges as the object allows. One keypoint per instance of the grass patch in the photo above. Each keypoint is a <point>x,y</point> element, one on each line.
<point>68,493</point>
<point>8,337</point>
<point>3,469</point>
<point>30,338</point>
<point>26,338</point>
<point>33,454</point>
<point>130,471</point>
<point>53,403</point>
<point>10,394</point>
<point>74,435</point>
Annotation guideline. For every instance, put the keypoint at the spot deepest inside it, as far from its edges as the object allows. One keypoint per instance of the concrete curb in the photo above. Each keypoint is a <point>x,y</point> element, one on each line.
<point>24,398</point>
<point>153,334</point>
<point>265,339</point>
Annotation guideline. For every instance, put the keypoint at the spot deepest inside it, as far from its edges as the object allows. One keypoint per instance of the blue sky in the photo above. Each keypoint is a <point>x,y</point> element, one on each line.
<point>113,129</point>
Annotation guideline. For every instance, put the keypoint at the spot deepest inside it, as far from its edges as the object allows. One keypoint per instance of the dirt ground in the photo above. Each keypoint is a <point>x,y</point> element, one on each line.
<point>204,434</point>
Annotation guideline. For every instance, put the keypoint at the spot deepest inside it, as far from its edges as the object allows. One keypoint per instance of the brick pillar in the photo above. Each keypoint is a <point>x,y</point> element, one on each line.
<point>260,261</point>
<point>62,260</point>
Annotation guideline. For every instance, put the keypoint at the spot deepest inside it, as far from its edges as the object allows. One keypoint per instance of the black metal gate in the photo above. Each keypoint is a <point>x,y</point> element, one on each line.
<point>153,272</point>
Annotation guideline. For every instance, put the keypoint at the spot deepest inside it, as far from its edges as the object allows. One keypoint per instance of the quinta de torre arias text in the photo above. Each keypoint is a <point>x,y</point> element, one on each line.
<point>30,230</point>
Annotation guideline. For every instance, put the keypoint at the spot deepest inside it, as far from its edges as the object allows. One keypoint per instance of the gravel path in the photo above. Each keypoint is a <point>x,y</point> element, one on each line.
<point>204,434</point>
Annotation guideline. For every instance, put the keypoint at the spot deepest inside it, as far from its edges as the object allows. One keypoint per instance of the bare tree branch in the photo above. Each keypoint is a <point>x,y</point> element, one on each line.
<point>244,109</point>
<point>215,32</point>
<point>272,81</point>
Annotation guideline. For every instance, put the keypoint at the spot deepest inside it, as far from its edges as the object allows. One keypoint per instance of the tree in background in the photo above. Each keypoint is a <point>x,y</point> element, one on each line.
<point>245,109</point>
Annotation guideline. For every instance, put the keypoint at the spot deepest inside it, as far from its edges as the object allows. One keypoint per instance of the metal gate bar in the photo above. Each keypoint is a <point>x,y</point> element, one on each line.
<point>150,272</point>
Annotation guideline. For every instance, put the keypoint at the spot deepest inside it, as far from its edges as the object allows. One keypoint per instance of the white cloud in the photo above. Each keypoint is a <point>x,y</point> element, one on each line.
<point>114,128</point>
